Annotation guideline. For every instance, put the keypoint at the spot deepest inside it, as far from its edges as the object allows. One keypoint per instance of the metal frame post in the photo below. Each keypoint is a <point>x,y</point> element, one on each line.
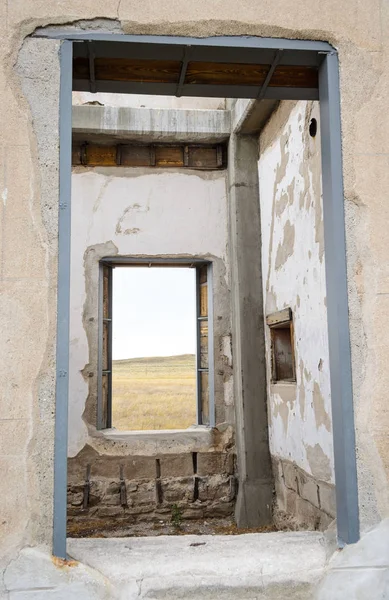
<point>337,303</point>
<point>63,301</point>
<point>211,350</point>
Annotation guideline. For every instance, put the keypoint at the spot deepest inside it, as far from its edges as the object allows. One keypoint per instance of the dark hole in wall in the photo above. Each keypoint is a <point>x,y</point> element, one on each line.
<point>313,128</point>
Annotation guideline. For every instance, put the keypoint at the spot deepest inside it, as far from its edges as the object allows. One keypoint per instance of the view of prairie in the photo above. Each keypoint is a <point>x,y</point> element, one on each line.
<point>154,392</point>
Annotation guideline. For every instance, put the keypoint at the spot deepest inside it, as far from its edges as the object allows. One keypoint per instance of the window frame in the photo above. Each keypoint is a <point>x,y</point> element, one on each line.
<point>106,266</point>
<point>281,319</point>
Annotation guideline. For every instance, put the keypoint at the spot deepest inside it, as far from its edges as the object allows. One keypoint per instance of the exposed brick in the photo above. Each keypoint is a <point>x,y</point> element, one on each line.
<point>213,463</point>
<point>176,465</point>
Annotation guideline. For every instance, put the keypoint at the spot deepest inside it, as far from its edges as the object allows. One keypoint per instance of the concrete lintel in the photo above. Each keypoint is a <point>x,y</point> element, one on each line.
<point>250,116</point>
<point>151,124</point>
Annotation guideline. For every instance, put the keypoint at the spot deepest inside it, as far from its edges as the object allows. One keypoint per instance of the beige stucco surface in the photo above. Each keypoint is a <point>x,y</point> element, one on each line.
<point>359,29</point>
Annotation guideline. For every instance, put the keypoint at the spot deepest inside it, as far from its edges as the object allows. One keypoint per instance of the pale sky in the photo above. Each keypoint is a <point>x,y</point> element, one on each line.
<point>153,312</point>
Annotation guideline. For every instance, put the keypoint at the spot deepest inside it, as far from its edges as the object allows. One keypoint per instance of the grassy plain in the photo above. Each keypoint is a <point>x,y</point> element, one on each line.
<point>154,393</point>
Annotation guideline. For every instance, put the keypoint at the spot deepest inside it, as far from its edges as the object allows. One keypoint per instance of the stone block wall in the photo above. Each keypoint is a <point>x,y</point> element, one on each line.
<point>301,501</point>
<point>125,490</point>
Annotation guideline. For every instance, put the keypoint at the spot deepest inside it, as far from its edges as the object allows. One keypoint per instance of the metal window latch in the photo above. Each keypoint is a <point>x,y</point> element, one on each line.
<point>123,489</point>
<point>85,502</point>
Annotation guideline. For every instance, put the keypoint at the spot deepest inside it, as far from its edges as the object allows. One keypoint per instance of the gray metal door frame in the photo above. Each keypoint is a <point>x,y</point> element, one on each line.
<point>335,259</point>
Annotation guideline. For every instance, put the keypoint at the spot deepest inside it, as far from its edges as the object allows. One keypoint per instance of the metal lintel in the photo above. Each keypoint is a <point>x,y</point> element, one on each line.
<point>139,261</point>
<point>263,88</point>
<point>243,42</point>
<point>185,60</point>
<point>337,304</point>
<point>63,302</point>
<point>197,90</point>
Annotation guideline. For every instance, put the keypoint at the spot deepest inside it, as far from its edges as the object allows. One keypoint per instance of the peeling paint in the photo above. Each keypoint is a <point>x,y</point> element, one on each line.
<point>321,415</point>
<point>285,249</point>
<point>319,462</point>
<point>293,272</point>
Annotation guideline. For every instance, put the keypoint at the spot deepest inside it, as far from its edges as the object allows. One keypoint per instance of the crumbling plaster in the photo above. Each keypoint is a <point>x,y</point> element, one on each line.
<point>142,212</point>
<point>300,428</point>
<point>359,30</point>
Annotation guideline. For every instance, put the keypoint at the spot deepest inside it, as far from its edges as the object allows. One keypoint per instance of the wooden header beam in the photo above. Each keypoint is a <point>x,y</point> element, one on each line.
<point>209,157</point>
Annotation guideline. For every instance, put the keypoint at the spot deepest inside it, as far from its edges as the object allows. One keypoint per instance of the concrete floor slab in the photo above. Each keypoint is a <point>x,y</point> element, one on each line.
<point>251,566</point>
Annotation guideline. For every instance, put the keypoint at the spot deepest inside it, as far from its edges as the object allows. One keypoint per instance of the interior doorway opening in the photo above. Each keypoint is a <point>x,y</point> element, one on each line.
<point>318,72</point>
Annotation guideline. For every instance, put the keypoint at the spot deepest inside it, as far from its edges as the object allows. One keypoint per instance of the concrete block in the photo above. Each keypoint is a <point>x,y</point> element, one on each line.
<point>327,498</point>
<point>176,465</point>
<point>280,494</point>
<point>140,467</point>
<point>213,463</point>
<point>307,514</point>
<point>290,476</point>
<point>215,487</point>
<point>308,488</point>
<point>178,491</point>
<point>144,494</point>
<point>110,511</point>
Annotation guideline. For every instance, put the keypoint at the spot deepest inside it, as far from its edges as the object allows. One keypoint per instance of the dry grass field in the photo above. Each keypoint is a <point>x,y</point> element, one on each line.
<point>154,393</point>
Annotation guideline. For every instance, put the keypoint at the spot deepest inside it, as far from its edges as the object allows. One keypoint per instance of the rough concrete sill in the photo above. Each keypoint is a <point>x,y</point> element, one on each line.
<point>202,433</point>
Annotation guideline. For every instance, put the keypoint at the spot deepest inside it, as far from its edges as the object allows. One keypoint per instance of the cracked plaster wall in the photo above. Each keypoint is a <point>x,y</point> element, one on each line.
<point>142,212</point>
<point>300,428</point>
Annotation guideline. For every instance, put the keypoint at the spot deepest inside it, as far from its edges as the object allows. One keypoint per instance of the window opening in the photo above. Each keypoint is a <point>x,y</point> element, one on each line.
<point>154,339</point>
<point>282,346</point>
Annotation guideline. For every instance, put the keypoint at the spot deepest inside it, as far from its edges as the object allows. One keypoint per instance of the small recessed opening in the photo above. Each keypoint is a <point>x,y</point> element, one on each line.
<point>313,128</point>
<point>282,350</point>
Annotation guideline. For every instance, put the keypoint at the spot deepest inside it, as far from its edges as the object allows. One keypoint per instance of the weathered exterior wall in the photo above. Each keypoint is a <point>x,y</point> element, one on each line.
<point>146,212</point>
<point>300,429</point>
<point>359,30</point>
<point>28,216</point>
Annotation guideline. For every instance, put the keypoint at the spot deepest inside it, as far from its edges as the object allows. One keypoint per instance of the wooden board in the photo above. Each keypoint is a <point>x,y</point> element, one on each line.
<point>129,69</point>
<point>131,155</point>
<point>281,316</point>
<point>197,73</point>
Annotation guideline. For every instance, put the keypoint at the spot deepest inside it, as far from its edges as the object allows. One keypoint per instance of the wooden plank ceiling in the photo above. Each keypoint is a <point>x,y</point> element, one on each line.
<point>177,70</point>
